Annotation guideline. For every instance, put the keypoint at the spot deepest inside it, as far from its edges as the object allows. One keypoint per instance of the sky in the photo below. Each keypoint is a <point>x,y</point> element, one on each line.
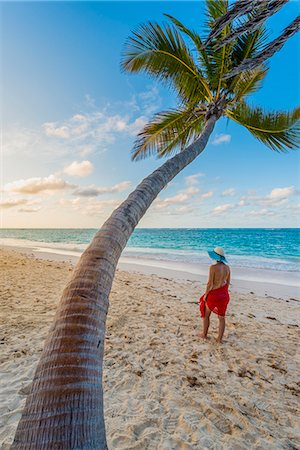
<point>69,118</point>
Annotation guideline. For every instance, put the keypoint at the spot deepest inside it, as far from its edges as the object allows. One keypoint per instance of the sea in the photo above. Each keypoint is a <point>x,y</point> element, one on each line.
<point>258,248</point>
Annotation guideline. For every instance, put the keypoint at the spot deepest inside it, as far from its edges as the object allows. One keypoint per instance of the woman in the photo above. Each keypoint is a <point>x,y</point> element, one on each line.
<point>216,296</point>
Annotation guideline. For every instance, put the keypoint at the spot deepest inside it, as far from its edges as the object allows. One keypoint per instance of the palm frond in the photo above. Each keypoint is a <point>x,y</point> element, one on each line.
<point>215,11</point>
<point>239,8</point>
<point>270,49</point>
<point>197,41</point>
<point>258,16</point>
<point>162,53</point>
<point>220,59</point>
<point>278,130</point>
<point>248,82</point>
<point>249,45</point>
<point>168,131</point>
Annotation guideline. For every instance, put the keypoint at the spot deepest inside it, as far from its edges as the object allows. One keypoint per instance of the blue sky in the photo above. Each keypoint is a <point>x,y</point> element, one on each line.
<point>70,116</point>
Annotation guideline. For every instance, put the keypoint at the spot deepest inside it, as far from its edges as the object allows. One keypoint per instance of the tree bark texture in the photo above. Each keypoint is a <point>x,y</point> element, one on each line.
<point>64,409</point>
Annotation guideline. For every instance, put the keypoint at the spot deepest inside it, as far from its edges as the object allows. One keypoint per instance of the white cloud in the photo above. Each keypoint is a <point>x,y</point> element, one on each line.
<point>11,203</point>
<point>276,197</point>
<point>94,129</point>
<point>91,206</point>
<point>184,210</point>
<point>262,212</point>
<point>148,101</point>
<point>295,207</point>
<point>221,209</point>
<point>79,169</point>
<point>135,127</point>
<point>206,195</point>
<point>94,191</point>
<point>228,192</point>
<point>182,197</point>
<point>37,185</point>
<point>29,203</point>
<point>186,198</point>
<point>192,180</point>
<point>279,194</point>
<point>86,132</point>
<point>51,129</point>
<point>221,139</point>
<point>29,210</point>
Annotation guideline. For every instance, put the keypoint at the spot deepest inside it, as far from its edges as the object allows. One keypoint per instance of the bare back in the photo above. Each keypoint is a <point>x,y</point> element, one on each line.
<point>219,275</point>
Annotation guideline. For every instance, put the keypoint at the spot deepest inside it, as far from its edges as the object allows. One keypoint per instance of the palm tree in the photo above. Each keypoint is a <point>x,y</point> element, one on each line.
<point>64,409</point>
<point>258,10</point>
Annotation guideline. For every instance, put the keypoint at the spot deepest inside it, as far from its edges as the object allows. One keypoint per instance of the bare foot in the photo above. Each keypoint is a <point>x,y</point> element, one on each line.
<point>219,341</point>
<point>203,336</point>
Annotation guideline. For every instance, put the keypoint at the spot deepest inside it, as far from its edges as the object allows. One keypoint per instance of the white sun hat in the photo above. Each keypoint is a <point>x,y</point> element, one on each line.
<point>218,254</point>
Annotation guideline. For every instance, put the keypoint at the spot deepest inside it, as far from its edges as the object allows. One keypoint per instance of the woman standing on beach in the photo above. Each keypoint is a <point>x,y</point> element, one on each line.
<point>216,296</point>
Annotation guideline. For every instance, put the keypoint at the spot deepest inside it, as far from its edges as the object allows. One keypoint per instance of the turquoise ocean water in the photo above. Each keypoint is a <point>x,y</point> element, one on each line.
<point>275,249</point>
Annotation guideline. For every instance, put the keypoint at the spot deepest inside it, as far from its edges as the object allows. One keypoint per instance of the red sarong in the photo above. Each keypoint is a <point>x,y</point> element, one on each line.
<point>217,301</point>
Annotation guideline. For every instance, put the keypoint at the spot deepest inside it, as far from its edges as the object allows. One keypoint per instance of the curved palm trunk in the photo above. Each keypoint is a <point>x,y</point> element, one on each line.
<point>64,409</point>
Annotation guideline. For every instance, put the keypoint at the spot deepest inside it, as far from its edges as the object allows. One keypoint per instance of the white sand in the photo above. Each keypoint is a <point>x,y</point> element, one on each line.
<point>164,387</point>
<point>262,282</point>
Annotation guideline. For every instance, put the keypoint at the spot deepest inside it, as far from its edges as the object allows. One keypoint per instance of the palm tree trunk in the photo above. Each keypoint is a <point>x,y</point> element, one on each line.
<point>64,409</point>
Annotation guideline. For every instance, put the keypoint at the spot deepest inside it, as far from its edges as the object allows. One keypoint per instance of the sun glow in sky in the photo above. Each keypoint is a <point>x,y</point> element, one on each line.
<point>70,117</point>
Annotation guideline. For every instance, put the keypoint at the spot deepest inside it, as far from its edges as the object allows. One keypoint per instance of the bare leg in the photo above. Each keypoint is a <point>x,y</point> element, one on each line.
<point>206,322</point>
<point>221,329</point>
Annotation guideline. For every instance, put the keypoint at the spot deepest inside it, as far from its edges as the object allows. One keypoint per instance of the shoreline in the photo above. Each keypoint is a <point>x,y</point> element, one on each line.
<point>262,282</point>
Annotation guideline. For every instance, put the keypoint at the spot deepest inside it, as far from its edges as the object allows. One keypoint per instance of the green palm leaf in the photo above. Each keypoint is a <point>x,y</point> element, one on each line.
<point>168,131</point>
<point>238,9</point>
<point>248,82</point>
<point>161,52</point>
<point>211,82</point>
<point>259,14</point>
<point>247,46</point>
<point>215,11</point>
<point>197,41</point>
<point>220,58</point>
<point>268,51</point>
<point>277,130</point>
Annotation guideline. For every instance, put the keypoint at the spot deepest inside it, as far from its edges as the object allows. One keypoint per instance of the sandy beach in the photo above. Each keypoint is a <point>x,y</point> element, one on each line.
<point>164,387</point>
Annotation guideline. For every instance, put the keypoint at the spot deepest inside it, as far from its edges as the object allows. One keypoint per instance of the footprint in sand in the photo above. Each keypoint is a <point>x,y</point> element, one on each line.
<point>25,390</point>
<point>193,381</point>
<point>170,424</point>
<point>145,427</point>
<point>219,421</point>
<point>189,422</point>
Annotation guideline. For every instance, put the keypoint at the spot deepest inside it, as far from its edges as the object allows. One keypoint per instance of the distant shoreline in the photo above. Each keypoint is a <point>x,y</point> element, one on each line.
<point>262,282</point>
<point>158,228</point>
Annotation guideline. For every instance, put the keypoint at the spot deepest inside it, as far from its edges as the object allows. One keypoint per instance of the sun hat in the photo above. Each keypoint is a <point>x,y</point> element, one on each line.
<point>217,254</point>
